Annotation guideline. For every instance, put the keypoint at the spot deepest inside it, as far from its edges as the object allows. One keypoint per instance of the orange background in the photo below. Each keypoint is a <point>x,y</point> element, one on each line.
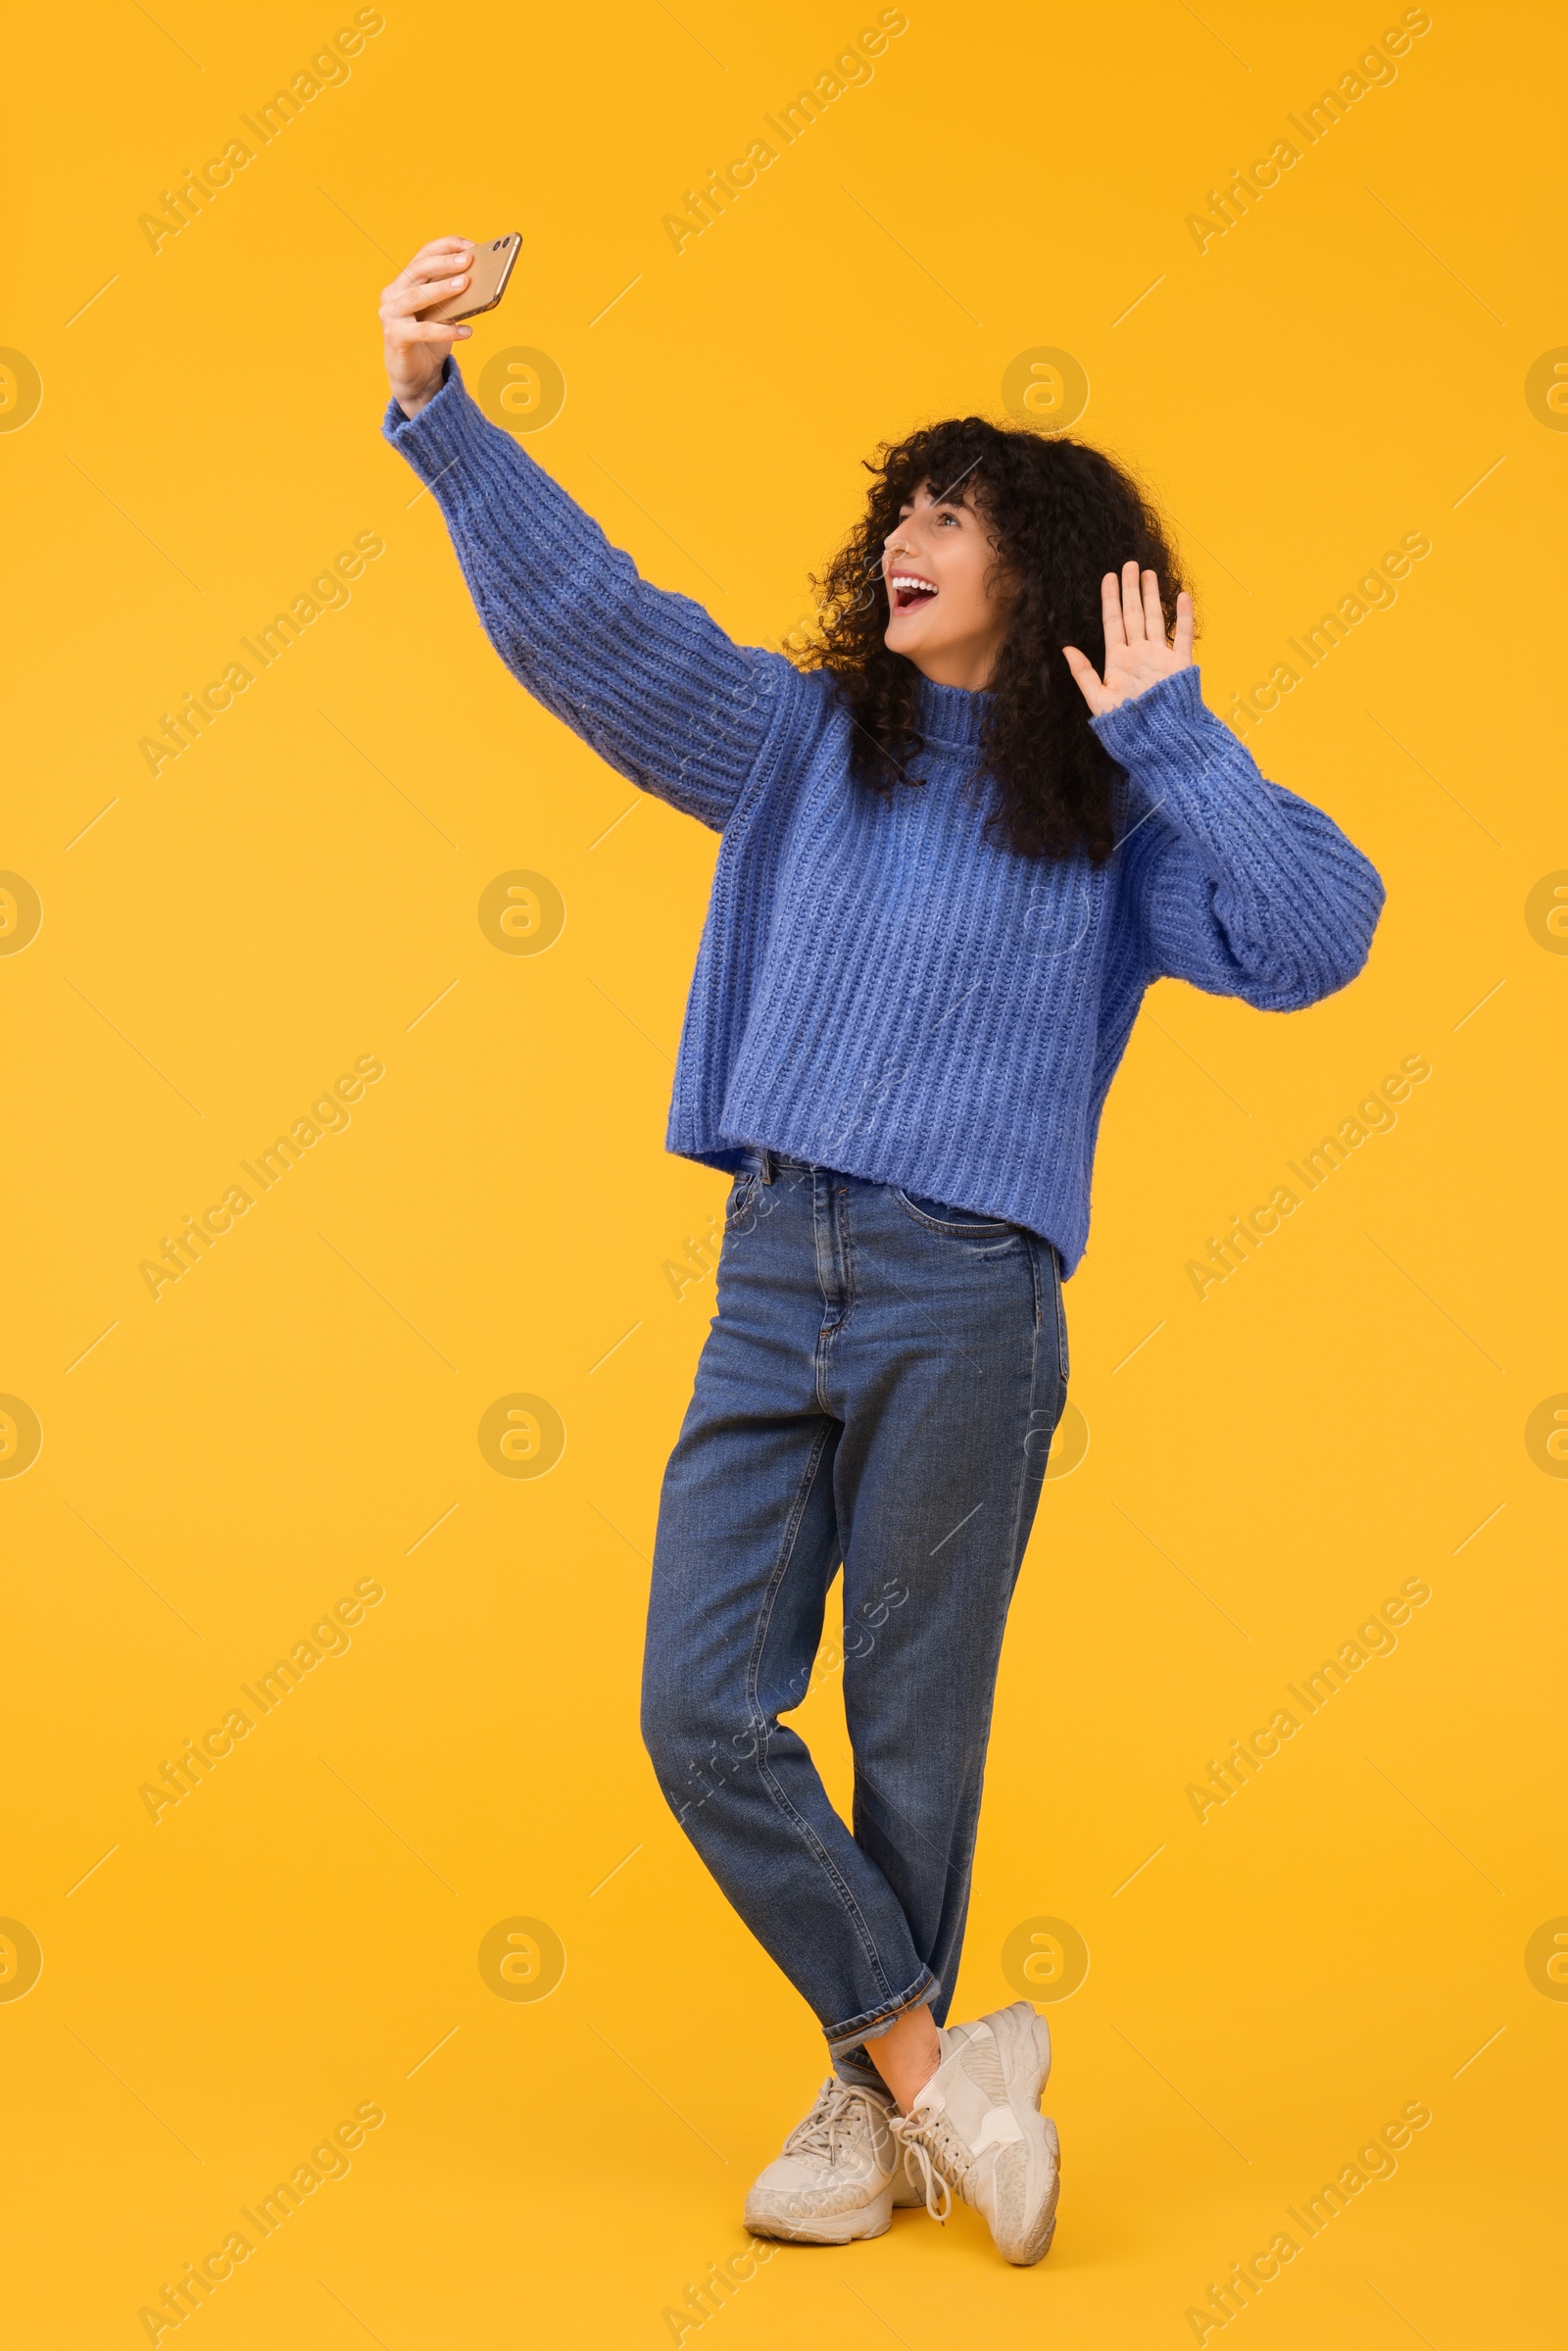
<point>300,1414</point>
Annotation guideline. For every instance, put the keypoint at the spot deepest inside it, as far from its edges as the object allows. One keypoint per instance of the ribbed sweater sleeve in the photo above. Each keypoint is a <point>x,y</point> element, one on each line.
<point>642,674</point>
<point>1236,885</point>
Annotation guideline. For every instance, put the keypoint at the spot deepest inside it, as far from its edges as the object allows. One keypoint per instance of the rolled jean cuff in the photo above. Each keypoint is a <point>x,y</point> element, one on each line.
<point>843,2038</point>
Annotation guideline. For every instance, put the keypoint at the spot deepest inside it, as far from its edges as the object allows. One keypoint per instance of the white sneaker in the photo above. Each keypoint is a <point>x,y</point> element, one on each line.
<point>840,2174</point>
<point>976,2129</point>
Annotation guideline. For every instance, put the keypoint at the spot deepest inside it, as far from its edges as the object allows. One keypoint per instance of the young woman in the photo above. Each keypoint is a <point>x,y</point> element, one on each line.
<point>958,844</point>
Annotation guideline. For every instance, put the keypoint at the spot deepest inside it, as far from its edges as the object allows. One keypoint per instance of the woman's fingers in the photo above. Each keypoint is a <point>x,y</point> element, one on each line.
<point>1088,677</point>
<point>435,259</point>
<point>436,270</point>
<point>1132,608</point>
<point>1134,615</point>
<point>1110,610</point>
<point>427,266</point>
<point>407,295</point>
<point>396,307</point>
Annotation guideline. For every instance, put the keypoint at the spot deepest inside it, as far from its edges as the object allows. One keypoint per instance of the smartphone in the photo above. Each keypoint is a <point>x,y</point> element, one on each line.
<point>487,283</point>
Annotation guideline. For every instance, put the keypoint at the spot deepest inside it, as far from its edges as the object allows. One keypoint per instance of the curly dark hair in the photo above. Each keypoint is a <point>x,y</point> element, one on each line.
<point>1062,515</point>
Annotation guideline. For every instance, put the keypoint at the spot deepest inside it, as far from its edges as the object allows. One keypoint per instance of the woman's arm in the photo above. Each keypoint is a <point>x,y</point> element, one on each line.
<point>1241,887</point>
<point>1238,886</point>
<point>643,675</point>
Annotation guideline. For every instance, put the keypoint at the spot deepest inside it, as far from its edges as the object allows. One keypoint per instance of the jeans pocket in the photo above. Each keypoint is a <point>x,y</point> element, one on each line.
<point>941,1216</point>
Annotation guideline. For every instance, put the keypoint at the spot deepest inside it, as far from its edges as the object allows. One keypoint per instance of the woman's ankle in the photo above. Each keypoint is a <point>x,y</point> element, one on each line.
<point>907,2055</point>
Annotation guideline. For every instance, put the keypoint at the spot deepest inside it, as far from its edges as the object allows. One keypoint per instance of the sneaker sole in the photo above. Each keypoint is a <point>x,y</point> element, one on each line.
<point>1037,2244</point>
<point>1026,2050</point>
<point>829,2229</point>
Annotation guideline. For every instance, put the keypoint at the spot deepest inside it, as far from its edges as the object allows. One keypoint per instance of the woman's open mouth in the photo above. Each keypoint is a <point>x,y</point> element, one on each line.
<point>906,590</point>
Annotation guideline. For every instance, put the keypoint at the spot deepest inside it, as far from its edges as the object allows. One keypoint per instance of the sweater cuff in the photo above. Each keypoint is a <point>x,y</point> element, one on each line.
<point>1156,727</point>
<point>447,428</point>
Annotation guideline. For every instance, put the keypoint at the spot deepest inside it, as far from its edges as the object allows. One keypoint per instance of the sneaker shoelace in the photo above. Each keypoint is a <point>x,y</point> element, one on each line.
<point>935,2158</point>
<point>840,2113</point>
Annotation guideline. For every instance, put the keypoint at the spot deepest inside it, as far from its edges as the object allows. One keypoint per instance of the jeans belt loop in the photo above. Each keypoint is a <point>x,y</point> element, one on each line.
<point>767,1165</point>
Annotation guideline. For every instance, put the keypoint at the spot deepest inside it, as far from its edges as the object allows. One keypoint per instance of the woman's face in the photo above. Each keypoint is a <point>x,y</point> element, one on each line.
<point>948,610</point>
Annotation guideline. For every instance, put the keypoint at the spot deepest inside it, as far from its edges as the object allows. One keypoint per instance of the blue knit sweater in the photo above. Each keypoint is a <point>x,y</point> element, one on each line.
<point>878,988</point>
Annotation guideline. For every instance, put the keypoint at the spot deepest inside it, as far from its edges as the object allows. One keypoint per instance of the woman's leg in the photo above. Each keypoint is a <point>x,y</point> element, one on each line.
<point>748,1543</point>
<point>883,1383</point>
<point>948,1374</point>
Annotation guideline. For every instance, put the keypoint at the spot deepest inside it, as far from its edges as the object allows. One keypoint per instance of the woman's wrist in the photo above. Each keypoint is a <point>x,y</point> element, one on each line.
<point>411,399</point>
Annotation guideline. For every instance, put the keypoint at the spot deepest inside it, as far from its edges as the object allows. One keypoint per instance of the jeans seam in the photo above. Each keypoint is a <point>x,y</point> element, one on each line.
<point>1061,1324</point>
<point>764,1612</point>
<point>762,1728</point>
<point>741,1200</point>
<point>825,1860</point>
<point>830,1330</point>
<point>1034,1389</point>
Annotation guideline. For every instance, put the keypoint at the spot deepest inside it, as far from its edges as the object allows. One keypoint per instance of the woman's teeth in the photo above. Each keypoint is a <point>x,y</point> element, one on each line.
<point>909,591</point>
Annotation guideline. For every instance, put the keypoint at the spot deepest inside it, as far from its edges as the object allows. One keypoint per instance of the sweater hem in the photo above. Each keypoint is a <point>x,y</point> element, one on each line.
<point>726,1153</point>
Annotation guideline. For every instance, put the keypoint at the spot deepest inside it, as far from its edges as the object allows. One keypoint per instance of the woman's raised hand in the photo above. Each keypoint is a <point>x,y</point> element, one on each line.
<point>1136,651</point>
<point>416,350</point>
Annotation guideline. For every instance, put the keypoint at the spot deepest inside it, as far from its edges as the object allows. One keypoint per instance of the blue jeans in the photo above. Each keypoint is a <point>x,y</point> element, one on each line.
<point>879,1387</point>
